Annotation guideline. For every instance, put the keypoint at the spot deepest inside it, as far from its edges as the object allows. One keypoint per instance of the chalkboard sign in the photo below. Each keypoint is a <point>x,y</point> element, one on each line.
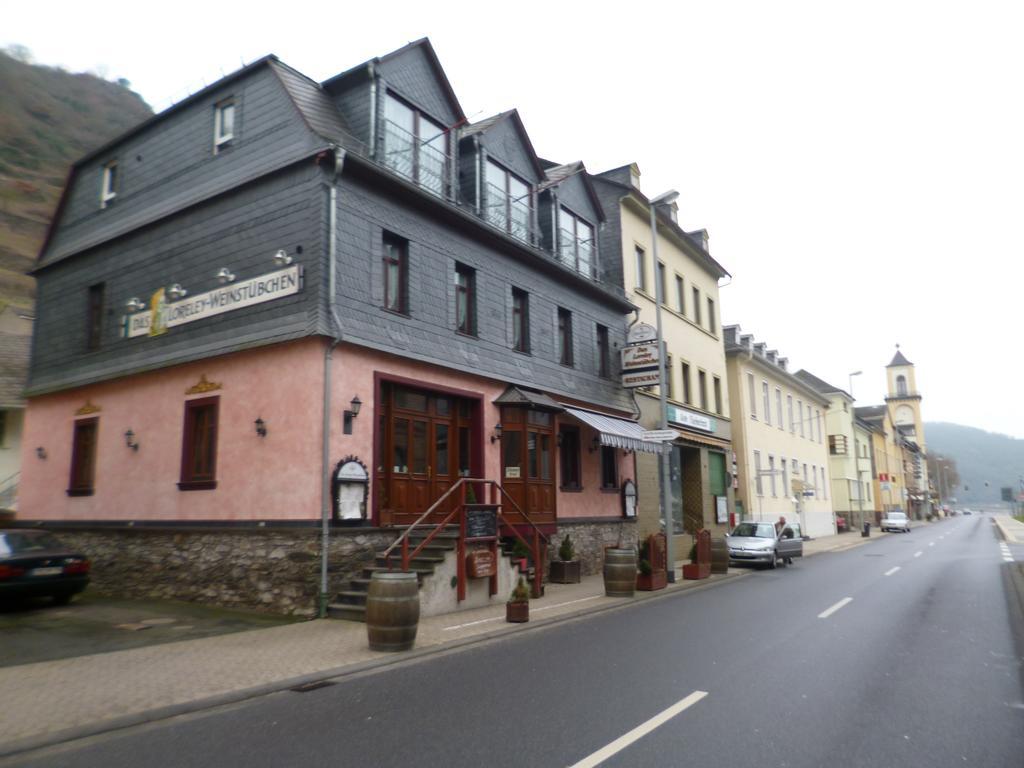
<point>481,523</point>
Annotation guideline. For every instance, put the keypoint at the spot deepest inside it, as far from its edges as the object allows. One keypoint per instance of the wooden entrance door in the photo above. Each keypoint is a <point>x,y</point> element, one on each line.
<point>528,464</point>
<point>425,446</point>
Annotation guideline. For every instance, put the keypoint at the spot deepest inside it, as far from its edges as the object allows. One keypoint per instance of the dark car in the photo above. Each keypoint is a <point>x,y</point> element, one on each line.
<point>34,563</point>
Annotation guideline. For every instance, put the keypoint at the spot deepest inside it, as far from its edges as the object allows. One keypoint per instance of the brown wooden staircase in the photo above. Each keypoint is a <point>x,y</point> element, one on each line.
<point>422,546</point>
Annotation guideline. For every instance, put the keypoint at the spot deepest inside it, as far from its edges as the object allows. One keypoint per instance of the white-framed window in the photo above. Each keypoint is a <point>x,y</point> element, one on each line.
<point>576,243</point>
<point>789,407</point>
<point>778,407</point>
<point>108,187</point>
<point>641,269</point>
<point>757,473</point>
<point>800,416</point>
<point>767,403</point>
<point>771,470</point>
<point>223,123</point>
<point>817,420</point>
<point>509,200</point>
<point>753,396</point>
<point>824,485</point>
<point>786,490</point>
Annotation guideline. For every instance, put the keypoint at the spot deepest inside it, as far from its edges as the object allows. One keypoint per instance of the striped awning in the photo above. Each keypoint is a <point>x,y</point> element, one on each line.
<point>614,432</point>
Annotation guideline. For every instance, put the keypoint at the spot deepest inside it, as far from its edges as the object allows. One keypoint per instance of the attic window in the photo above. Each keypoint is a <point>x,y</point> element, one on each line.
<point>223,124</point>
<point>109,190</point>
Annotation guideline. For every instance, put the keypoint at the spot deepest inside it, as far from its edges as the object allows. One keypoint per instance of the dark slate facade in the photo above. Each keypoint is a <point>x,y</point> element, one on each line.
<point>183,211</point>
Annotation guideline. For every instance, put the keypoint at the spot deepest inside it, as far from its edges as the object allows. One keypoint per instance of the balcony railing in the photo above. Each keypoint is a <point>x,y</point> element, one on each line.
<point>577,254</point>
<point>422,163</point>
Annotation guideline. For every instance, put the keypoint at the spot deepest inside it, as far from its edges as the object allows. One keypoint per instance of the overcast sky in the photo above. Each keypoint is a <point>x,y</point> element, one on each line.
<point>860,166</point>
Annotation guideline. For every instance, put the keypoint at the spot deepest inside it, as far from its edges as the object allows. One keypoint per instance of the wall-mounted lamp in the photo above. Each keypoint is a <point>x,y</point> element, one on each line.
<point>282,259</point>
<point>177,292</point>
<point>497,433</point>
<point>225,275</point>
<point>130,441</point>
<point>595,444</point>
<point>41,452</point>
<point>134,304</point>
<point>261,427</point>
<point>356,405</point>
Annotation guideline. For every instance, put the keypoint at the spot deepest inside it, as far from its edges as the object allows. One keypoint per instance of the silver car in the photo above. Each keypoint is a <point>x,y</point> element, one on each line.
<point>760,543</point>
<point>896,521</point>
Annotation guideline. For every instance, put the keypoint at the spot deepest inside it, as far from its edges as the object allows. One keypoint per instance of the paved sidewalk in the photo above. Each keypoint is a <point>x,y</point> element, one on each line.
<point>1012,530</point>
<point>70,698</point>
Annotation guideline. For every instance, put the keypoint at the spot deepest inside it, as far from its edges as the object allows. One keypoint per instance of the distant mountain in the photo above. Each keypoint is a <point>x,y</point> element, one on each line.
<point>986,461</point>
<point>48,119</point>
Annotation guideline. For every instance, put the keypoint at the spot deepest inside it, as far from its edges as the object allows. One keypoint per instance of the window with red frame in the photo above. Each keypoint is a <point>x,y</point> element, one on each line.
<point>199,445</point>
<point>83,457</point>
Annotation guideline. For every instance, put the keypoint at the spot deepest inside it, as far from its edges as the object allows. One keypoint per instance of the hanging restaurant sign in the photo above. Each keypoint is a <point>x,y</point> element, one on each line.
<point>163,314</point>
<point>640,365</point>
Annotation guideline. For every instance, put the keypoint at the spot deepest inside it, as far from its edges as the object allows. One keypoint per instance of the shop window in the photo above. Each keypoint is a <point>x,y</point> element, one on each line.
<point>83,457</point>
<point>199,445</point>
<point>569,458</point>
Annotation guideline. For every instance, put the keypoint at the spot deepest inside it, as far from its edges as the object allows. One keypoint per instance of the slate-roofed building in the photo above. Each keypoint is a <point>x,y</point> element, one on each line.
<point>14,352</point>
<point>276,275</point>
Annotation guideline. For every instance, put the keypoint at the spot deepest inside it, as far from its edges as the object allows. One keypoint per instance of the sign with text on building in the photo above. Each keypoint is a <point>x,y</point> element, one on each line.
<point>659,435</point>
<point>640,365</point>
<point>163,314</point>
<point>687,418</point>
<point>641,333</point>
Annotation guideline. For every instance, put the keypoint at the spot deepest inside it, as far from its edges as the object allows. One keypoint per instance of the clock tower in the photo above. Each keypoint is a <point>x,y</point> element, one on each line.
<point>904,404</point>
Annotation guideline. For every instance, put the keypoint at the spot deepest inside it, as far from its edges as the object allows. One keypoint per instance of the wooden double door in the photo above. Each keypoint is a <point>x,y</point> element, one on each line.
<point>425,444</point>
<point>528,450</point>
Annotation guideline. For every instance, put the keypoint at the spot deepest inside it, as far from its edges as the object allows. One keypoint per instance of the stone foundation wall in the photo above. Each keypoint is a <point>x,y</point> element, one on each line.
<point>270,569</point>
<point>590,537</point>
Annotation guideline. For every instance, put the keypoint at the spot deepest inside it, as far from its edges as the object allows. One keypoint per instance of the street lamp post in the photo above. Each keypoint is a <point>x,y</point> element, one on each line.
<point>663,471</point>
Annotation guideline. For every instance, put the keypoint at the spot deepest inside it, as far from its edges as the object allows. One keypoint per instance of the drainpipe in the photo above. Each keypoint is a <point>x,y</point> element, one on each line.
<point>335,324</point>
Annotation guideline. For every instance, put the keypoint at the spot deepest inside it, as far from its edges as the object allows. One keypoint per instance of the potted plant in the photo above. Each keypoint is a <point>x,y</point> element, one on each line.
<point>565,570</point>
<point>649,578</point>
<point>517,609</point>
<point>697,569</point>
<point>521,556</point>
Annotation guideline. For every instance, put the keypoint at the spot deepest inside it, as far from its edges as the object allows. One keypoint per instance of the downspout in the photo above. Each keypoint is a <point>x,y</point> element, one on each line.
<point>335,325</point>
<point>373,111</point>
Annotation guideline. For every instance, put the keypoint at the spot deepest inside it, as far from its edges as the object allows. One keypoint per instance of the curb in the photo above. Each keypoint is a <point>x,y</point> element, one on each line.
<point>41,741</point>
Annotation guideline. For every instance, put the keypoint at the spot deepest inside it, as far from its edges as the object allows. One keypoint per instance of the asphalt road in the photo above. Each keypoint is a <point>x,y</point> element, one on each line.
<point>897,653</point>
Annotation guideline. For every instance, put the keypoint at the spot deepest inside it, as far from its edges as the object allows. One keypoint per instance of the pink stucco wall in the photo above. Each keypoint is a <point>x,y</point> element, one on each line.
<point>276,477</point>
<point>273,478</point>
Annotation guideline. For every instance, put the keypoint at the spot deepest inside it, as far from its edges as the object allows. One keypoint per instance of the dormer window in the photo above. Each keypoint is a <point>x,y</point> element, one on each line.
<point>575,242</point>
<point>415,146</point>
<point>108,191</point>
<point>508,202</point>
<point>223,124</point>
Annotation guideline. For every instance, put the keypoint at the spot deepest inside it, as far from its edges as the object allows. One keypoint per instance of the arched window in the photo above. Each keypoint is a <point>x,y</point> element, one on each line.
<point>901,385</point>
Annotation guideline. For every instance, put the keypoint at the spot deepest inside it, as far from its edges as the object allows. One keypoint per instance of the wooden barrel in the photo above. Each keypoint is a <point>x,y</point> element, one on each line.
<point>719,555</point>
<point>392,610</point>
<point>619,572</point>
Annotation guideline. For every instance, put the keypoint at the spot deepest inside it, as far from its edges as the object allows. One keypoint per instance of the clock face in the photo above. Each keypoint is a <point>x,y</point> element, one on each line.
<point>904,415</point>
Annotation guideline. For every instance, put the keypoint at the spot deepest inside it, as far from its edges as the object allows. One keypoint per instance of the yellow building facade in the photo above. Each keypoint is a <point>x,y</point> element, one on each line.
<point>778,438</point>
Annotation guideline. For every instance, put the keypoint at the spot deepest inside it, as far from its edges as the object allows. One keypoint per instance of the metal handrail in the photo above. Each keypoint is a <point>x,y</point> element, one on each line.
<point>538,535</point>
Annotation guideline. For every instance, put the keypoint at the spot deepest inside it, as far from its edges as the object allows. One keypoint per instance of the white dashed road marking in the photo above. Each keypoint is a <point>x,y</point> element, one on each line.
<point>891,571</point>
<point>640,731</point>
<point>918,554</point>
<point>829,611</point>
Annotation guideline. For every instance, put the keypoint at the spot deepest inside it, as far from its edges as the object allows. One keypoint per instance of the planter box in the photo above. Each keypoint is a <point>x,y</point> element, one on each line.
<point>563,572</point>
<point>517,613</point>
<point>652,581</point>
<point>697,570</point>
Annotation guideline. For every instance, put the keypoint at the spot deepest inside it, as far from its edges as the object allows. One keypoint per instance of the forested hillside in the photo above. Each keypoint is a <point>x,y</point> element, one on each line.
<point>48,119</point>
<point>986,461</point>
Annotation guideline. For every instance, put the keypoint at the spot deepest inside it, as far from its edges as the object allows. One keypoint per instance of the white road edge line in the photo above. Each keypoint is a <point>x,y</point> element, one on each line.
<point>639,732</point>
<point>918,554</point>
<point>891,571</point>
<point>535,610</point>
<point>829,611</point>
